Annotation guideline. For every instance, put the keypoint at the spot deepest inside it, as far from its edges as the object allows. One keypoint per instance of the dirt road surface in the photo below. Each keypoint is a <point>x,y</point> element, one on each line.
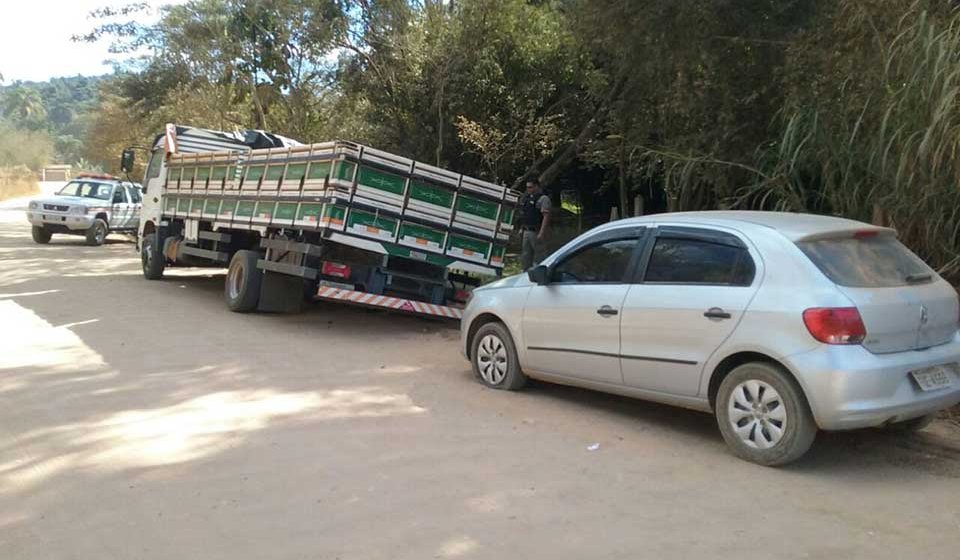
<point>142,420</point>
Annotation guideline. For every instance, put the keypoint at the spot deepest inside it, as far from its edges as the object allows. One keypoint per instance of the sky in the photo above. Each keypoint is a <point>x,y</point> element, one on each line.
<point>35,40</point>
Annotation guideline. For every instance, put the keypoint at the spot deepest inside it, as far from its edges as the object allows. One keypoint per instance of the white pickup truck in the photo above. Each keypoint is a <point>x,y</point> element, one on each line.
<point>90,205</point>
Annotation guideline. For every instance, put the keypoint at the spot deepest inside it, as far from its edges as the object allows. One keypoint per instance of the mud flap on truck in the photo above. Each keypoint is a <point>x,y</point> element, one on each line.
<point>280,293</point>
<point>286,274</point>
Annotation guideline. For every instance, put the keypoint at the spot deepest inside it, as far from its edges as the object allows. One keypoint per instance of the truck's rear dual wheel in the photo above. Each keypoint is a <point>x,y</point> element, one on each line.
<point>242,287</point>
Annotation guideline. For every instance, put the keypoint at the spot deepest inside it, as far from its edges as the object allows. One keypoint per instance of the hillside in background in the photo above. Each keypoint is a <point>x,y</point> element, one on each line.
<point>55,113</point>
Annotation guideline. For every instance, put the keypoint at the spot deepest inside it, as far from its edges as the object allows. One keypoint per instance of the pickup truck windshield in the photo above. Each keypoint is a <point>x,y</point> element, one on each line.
<point>87,189</point>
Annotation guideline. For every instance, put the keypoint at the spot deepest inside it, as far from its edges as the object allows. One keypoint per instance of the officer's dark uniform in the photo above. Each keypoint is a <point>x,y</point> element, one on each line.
<point>531,216</point>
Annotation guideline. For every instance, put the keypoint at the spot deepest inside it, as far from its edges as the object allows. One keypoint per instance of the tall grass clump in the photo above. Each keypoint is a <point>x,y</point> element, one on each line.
<point>881,147</point>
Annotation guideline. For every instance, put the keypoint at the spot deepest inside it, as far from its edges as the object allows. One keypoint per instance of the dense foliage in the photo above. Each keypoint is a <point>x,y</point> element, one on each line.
<point>834,106</point>
<point>54,116</point>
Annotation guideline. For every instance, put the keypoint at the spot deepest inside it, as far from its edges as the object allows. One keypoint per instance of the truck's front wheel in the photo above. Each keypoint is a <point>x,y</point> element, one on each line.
<point>242,287</point>
<point>152,257</point>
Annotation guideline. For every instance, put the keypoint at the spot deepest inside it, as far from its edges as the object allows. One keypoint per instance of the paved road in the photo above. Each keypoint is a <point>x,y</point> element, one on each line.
<point>141,420</point>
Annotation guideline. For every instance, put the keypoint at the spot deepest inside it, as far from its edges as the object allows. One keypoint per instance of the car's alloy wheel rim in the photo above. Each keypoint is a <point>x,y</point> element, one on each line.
<point>492,359</point>
<point>235,282</point>
<point>100,234</point>
<point>757,414</point>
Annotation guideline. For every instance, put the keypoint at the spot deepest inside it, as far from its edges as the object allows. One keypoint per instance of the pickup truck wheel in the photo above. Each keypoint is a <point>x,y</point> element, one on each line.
<point>152,257</point>
<point>97,233</point>
<point>40,234</point>
<point>242,287</point>
<point>494,358</point>
<point>763,415</point>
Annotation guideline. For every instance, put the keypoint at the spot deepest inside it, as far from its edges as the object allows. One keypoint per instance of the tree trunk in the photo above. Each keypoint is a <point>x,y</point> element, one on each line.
<point>260,115</point>
<point>571,151</point>
<point>624,204</point>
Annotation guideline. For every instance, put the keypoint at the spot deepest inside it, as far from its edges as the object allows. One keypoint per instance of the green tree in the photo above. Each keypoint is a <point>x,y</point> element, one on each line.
<point>24,106</point>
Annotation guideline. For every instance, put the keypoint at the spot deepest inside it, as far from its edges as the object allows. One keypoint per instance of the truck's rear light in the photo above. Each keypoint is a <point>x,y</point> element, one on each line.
<point>335,270</point>
<point>835,325</point>
<point>462,295</point>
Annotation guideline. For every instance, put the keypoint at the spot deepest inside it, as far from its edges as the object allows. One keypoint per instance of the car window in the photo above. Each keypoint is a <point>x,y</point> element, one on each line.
<point>601,263</point>
<point>119,195</point>
<point>134,193</point>
<point>879,261</point>
<point>695,261</point>
<point>87,189</point>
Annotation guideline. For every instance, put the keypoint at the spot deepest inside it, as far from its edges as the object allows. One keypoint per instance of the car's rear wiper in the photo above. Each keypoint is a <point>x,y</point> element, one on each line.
<point>919,278</point>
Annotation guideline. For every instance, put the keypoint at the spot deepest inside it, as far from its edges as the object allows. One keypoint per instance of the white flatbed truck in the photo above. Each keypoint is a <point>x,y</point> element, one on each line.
<point>334,221</point>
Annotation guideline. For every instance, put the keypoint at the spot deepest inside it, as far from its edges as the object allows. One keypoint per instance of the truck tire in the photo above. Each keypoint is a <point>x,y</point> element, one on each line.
<point>40,234</point>
<point>151,256</point>
<point>97,233</point>
<point>763,415</point>
<point>242,286</point>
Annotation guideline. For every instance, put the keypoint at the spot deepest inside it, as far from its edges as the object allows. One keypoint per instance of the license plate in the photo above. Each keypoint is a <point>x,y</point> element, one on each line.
<point>933,378</point>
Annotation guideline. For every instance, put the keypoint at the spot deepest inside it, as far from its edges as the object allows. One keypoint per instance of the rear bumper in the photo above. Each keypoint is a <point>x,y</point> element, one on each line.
<point>69,221</point>
<point>848,387</point>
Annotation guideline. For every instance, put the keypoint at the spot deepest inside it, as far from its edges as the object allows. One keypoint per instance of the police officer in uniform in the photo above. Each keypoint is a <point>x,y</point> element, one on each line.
<point>535,216</point>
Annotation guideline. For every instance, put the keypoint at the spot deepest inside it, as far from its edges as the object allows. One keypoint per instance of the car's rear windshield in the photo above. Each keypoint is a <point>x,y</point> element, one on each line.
<point>88,189</point>
<point>878,261</point>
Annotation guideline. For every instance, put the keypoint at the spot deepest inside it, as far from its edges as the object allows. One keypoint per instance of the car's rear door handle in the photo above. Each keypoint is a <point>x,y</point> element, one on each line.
<point>716,313</point>
<point>607,311</point>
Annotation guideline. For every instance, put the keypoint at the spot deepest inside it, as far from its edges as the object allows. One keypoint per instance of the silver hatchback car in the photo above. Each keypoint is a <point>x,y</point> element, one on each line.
<point>780,324</point>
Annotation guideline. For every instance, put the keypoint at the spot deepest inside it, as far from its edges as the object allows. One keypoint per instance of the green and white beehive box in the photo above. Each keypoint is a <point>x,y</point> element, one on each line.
<point>476,214</point>
<point>468,248</point>
<point>372,225</point>
<point>422,237</point>
<point>431,202</point>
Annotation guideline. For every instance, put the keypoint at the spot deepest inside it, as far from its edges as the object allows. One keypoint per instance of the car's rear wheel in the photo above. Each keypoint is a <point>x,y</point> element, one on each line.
<point>151,257</point>
<point>41,235</point>
<point>763,415</point>
<point>494,358</point>
<point>242,286</point>
<point>97,233</point>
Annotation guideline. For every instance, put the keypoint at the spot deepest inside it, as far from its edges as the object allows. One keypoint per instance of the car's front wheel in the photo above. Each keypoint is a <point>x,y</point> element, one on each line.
<point>41,235</point>
<point>763,415</point>
<point>97,233</point>
<point>494,358</point>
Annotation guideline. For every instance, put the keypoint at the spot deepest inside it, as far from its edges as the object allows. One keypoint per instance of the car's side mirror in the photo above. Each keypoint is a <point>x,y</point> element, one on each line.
<point>539,274</point>
<point>126,160</point>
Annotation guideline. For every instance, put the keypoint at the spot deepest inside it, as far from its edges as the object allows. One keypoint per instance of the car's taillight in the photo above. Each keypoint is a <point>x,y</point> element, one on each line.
<point>835,325</point>
<point>335,270</point>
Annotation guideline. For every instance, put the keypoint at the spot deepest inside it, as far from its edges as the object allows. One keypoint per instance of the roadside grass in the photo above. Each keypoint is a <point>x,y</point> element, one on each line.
<point>17,181</point>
